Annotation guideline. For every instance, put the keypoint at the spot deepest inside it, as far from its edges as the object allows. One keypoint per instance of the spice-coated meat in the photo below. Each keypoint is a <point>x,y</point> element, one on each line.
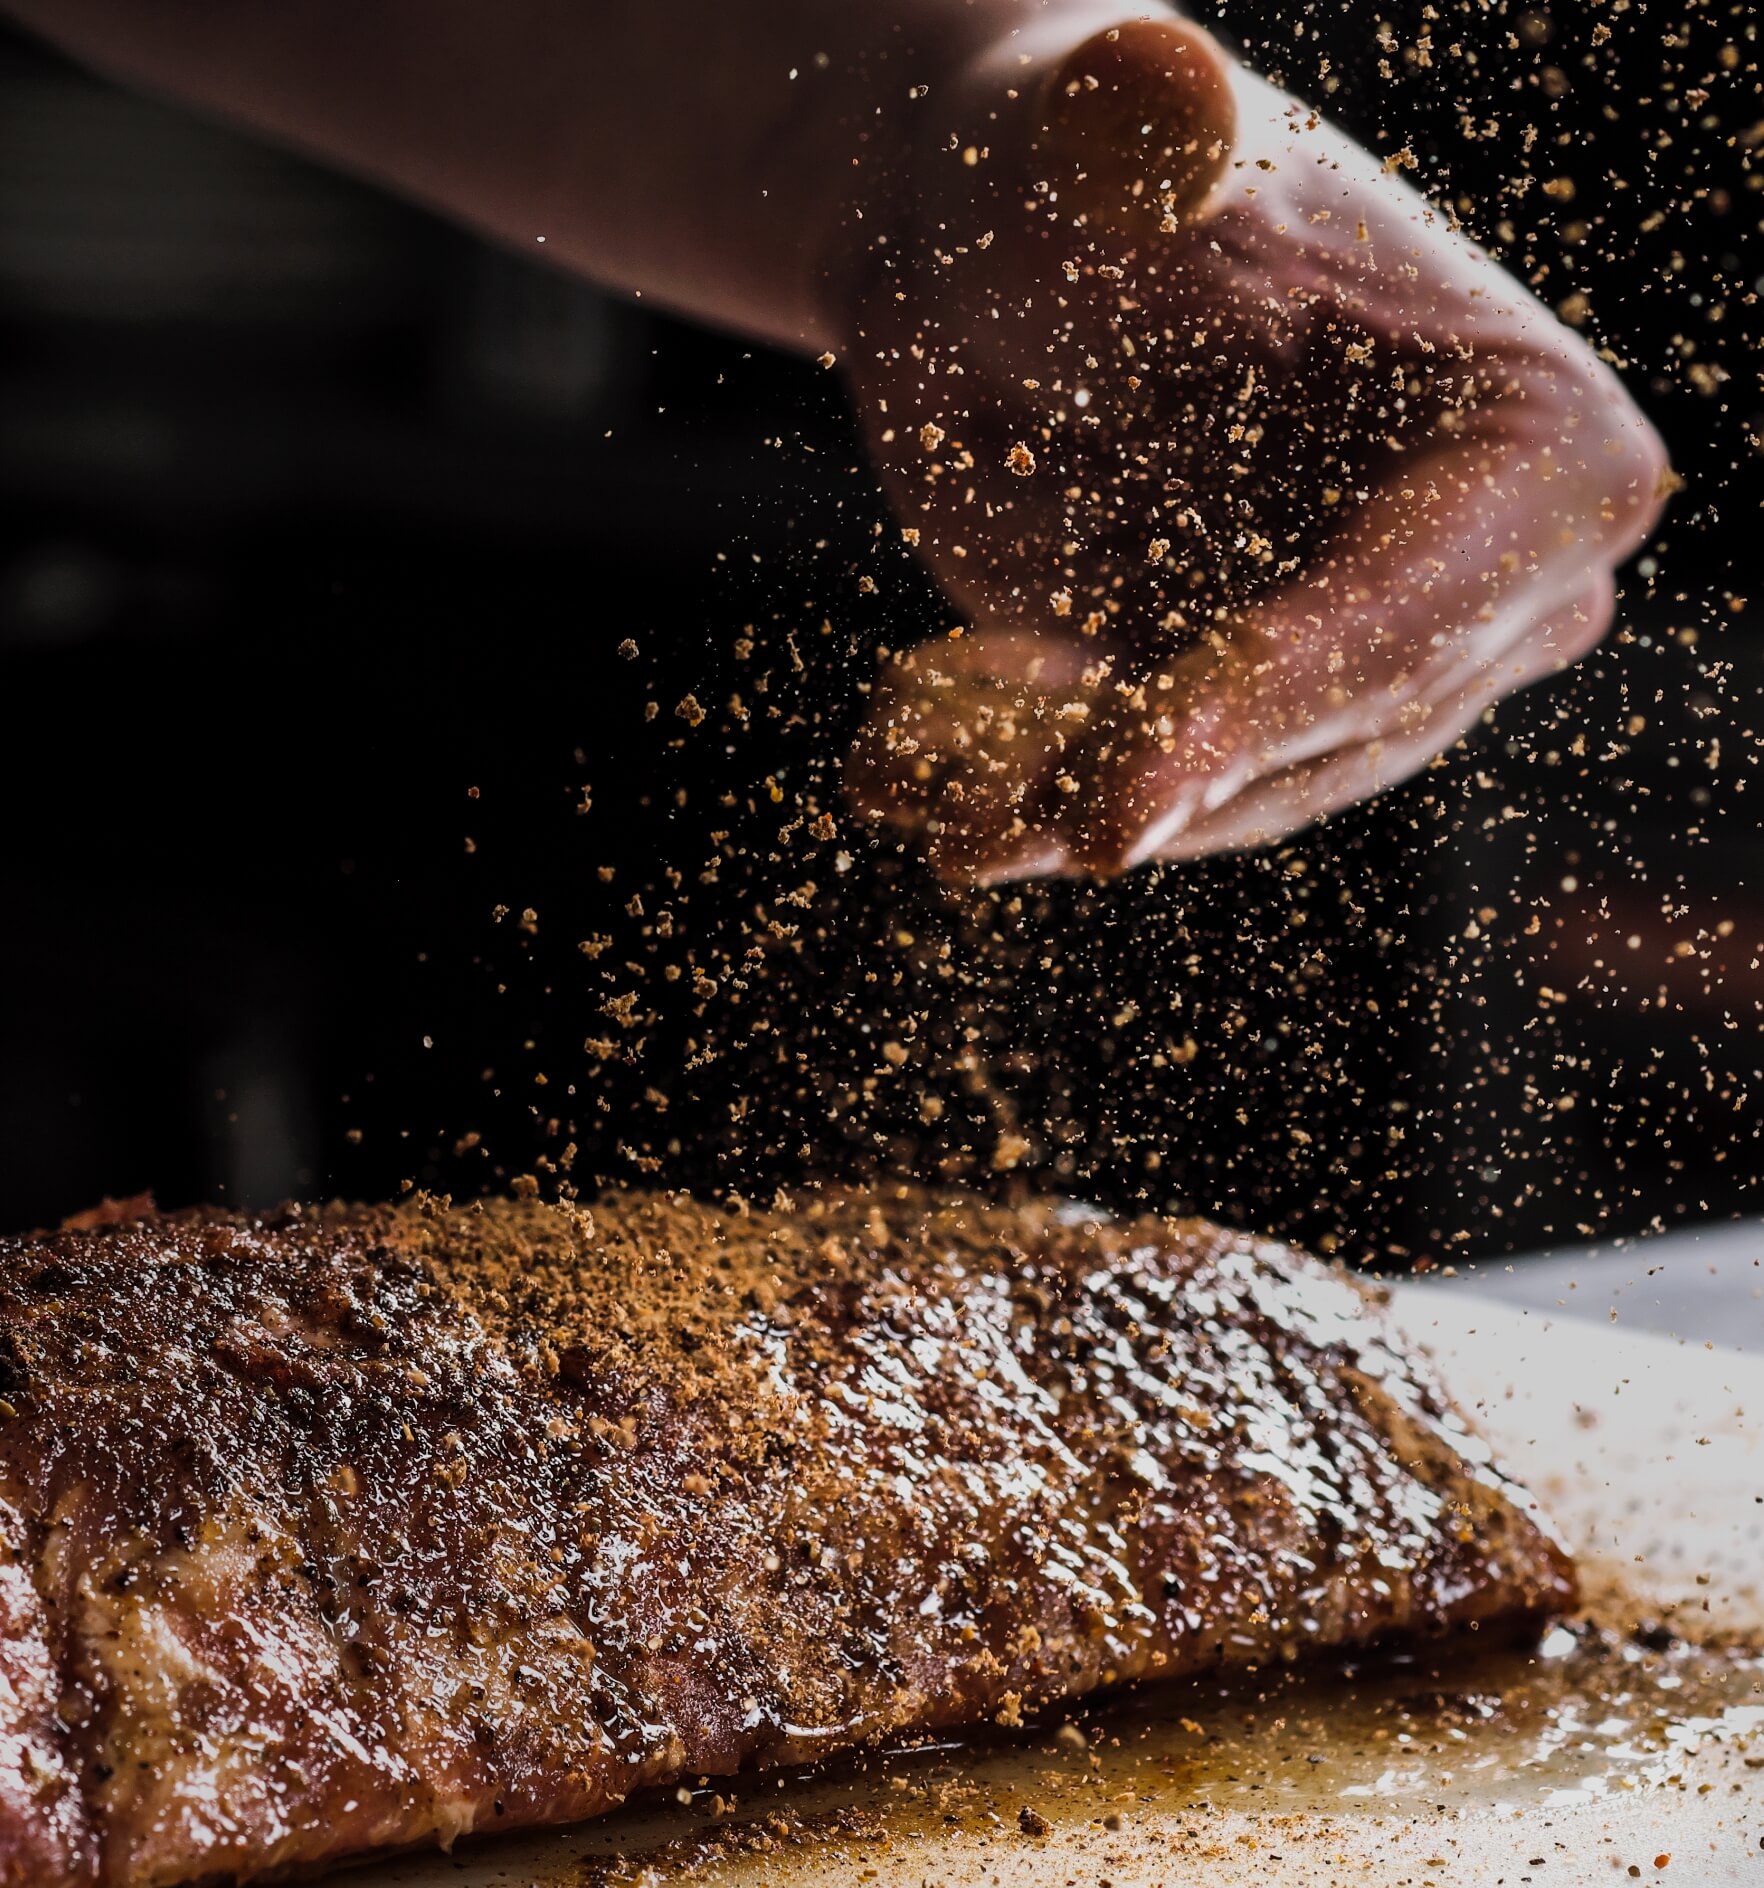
<point>354,1528</point>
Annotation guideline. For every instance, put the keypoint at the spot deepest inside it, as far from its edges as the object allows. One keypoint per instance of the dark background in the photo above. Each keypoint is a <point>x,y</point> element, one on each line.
<point>317,515</point>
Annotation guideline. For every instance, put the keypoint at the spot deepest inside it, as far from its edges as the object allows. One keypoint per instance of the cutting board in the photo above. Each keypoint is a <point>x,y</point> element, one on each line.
<point>1634,1747</point>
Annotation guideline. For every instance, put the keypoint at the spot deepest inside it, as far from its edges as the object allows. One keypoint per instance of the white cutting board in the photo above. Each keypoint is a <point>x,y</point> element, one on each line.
<point>1505,1767</point>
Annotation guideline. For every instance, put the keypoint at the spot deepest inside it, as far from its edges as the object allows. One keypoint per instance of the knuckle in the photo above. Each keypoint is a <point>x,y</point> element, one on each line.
<point>1619,453</point>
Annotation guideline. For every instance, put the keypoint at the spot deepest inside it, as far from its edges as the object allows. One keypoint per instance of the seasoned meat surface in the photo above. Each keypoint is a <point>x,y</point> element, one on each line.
<point>348,1528</point>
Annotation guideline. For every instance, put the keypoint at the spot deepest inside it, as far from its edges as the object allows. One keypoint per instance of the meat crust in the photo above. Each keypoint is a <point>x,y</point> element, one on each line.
<point>349,1528</point>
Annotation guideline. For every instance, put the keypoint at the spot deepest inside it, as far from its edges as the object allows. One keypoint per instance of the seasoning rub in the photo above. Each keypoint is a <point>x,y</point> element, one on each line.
<point>352,1528</point>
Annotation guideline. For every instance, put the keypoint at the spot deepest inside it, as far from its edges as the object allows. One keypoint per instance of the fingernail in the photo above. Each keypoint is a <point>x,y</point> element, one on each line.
<point>962,855</point>
<point>1044,861</point>
<point>1178,813</point>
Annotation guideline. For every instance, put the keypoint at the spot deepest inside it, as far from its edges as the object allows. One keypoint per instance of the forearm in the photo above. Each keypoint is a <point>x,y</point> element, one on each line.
<point>711,155</point>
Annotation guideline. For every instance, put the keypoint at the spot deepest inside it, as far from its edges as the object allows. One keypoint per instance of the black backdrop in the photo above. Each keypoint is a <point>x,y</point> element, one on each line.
<point>319,516</point>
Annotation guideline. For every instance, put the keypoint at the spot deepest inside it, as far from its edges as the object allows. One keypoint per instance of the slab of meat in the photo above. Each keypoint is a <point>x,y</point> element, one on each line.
<point>354,1528</point>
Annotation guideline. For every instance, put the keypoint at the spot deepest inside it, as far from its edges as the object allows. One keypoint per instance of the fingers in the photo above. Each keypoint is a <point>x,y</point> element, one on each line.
<point>1024,753</point>
<point>1010,754</point>
<point>1007,757</point>
<point>1283,803</point>
<point>1137,123</point>
<point>1455,560</point>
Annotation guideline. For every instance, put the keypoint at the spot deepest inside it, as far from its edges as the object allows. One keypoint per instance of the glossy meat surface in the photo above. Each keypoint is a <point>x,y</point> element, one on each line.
<point>352,1528</point>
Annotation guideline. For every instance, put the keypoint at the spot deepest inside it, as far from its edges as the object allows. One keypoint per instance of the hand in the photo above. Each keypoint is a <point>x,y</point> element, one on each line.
<point>1255,481</point>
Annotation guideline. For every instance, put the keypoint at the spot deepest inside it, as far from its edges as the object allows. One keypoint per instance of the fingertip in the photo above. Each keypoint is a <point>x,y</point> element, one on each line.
<point>1036,857</point>
<point>1586,625</point>
<point>1166,825</point>
<point>1160,772</point>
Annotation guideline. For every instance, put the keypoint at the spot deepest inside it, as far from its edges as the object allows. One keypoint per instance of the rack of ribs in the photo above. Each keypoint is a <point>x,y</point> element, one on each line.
<point>346,1529</point>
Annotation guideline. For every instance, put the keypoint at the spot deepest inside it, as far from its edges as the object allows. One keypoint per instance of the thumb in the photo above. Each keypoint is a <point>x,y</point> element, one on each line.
<point>969,747</point>
<point>1136,123</point>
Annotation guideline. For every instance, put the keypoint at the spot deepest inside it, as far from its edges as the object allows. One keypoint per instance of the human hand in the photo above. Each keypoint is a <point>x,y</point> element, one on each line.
<point>1256,482</point>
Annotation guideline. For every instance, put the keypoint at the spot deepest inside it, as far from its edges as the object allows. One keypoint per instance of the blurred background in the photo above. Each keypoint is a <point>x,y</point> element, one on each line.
<point>352,573</point>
